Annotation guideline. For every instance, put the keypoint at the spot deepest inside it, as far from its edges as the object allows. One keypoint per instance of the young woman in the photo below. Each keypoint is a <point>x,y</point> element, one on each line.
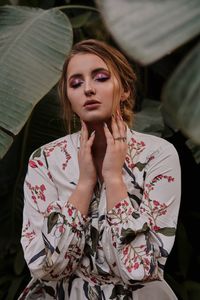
<point>101,205</point>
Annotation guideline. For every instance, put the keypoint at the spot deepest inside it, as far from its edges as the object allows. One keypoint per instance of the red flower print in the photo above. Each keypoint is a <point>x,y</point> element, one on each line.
<point>136,266</point>
<point>125,251</point>
<point>93,279</point>
<point>37,192</point>
<point>131,166</point>
<point>49,208</point>
<point>61,229</point>
<point>118,205</point>
<point>147,262</point>
<point>127,159</point>
<point>155,202</point>
<point>40,163</point>
<point>129,269</point>
<point>125,203</point>
<point>170,179</point>
<point>34,199</point>
<point>156,228</point>
<point>32,164</point>
<point>70,211</point>
<point>42,188</point>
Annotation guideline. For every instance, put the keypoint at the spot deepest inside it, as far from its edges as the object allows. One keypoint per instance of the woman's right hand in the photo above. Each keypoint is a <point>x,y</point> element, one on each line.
<point>88,174</point>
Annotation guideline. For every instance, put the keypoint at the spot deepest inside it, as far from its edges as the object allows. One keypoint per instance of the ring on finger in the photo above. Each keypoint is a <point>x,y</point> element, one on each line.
<point>120,138</point>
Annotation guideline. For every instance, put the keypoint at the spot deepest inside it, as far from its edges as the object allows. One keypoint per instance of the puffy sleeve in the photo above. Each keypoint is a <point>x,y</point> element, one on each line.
<point>137,241</point>
<point>53,232</point>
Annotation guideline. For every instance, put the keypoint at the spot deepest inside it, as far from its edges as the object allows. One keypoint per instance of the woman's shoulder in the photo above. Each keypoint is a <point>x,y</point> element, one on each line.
<point>150,142</point>
<point>58,145</point>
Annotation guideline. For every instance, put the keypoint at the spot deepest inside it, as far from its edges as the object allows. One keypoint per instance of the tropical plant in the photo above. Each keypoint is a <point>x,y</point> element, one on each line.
<point>34,43</point>
<point>151,29</point>
<point>152,32</point>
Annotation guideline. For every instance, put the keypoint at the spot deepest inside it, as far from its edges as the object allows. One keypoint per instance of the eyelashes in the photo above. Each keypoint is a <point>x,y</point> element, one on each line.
<point>75,84</point>
<point>101,77</point>
<point>78,82</point>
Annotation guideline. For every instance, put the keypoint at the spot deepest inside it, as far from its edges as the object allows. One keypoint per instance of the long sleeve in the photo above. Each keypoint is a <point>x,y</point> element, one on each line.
<point>53,233</point>
<point>138,238</point>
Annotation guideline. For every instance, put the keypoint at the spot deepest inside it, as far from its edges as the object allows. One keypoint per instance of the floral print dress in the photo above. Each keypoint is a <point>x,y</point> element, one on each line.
<point>115,254</point>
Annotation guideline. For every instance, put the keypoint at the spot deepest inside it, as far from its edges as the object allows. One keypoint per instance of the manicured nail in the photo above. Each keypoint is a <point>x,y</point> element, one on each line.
<point>105,125</point>
<point>93,133</point>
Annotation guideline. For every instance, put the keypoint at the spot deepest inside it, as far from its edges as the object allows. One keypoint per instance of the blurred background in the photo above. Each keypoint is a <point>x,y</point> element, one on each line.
<point>161,41</point>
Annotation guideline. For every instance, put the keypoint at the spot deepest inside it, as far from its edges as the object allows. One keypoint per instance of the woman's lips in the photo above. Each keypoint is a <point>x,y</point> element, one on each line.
<point>90,104</point>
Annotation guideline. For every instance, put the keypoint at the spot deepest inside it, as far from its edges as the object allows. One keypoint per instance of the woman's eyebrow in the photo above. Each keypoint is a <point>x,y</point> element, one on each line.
<point>74,76</point>
<point>94,72</point>
<point>97,70</point>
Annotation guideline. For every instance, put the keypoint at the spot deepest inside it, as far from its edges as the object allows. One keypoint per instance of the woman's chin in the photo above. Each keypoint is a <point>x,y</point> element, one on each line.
<point>97,119</point>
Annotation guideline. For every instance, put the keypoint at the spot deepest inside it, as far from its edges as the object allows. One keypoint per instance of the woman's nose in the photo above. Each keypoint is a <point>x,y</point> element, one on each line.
<point>89,90</point>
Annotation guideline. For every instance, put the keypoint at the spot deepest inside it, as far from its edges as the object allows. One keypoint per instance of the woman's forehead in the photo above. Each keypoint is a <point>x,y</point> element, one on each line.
<point>83,61</point>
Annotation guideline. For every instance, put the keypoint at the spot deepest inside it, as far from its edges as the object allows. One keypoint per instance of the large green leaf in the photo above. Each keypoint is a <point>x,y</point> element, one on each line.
<point>34,43</point>
<point>149,29</point>
<point>5,143</point>
<point>181,96</point>
<point>149,119</point>
<point>195,149</point>
<point>80,20</point>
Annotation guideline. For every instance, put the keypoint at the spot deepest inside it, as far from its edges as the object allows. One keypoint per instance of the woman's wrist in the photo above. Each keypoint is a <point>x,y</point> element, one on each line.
<point>113,180</point>
<point>116,191</point>
<point>81,197</point>
<point>86,185</point>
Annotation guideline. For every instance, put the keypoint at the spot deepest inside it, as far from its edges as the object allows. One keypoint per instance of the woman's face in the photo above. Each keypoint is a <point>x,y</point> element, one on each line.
<point>90,87</point>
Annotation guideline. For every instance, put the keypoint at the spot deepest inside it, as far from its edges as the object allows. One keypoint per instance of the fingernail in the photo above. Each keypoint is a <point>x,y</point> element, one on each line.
<point>105,125</point>
<point>93,132</point>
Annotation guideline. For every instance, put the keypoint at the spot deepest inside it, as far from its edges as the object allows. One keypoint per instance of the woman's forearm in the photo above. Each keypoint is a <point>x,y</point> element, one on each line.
<point>81,197</point>
<point>115,191</point>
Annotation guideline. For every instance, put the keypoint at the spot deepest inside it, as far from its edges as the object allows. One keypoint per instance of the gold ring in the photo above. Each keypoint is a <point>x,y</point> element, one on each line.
<point>120,138</point>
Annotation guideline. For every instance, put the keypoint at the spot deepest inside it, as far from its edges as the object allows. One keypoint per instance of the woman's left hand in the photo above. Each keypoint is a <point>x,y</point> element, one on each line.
<point>115,151</point>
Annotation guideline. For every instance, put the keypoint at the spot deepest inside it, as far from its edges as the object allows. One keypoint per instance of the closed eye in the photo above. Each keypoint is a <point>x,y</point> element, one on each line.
<point>101,77</point>
<point>75,83</point>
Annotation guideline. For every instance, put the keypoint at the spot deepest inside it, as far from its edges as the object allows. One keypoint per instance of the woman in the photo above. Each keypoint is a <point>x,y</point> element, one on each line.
<point>101,205</point>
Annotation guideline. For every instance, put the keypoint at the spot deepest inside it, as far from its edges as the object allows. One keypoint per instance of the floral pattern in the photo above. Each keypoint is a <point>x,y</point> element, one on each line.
<point>116,254</point>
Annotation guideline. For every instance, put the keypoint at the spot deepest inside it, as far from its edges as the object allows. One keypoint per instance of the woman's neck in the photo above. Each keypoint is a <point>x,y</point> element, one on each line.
<point>99,144</point>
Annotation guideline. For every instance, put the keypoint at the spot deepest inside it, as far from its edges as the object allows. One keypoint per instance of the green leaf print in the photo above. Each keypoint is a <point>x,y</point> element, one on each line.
<point>88,250</point>
<point>101,272</point>
<point>128,234</point>
<point>94,238</point>
<point>135,215</point>
<point>114,294</point>
<point>52,221</point>
<point>92,292</point>
<point>168,231</point>
<point>140,166</point>
<point>120,290</point>
<point>37,153</point>
<point>163,252</point>
<point>49,290</point>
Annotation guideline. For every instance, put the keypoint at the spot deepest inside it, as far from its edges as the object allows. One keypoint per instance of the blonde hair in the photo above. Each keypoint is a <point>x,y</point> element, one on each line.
<point>117,64</point>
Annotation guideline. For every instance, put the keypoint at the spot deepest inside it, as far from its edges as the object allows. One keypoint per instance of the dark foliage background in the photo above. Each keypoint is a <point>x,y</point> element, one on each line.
<point>45,124</point>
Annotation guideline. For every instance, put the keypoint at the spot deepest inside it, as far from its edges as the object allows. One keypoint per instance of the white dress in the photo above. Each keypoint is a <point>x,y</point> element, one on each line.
<point>116,254</point>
